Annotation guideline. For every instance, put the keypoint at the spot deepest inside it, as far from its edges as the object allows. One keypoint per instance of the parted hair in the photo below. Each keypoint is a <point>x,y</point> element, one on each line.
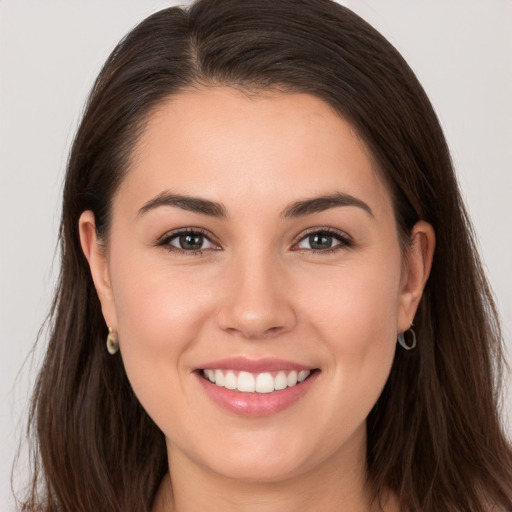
<point>434,436</point>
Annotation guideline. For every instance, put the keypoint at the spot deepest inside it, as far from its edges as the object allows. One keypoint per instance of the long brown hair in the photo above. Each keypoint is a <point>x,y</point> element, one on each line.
<point>434,436</point>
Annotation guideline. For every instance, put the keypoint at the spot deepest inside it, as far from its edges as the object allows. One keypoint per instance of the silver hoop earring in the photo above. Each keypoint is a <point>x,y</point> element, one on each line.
<point>112,342</point>
<point>403,343</point>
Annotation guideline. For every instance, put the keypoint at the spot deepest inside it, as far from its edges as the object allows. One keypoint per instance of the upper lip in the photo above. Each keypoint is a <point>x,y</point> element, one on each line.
<point>267,364</point>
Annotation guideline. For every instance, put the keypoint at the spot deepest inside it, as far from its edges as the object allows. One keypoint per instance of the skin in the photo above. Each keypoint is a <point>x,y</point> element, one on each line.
<point>258,290</point>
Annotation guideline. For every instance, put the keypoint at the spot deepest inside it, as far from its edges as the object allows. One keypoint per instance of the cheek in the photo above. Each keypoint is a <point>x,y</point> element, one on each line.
<point>151,313</point>
<point>355,315</point>
<point>357,303</point>
<point>160,313</point>
<point>159,307</point>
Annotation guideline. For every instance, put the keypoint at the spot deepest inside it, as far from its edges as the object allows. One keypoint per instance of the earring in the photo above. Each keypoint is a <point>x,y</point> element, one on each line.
<point>112,342</point>
<point>401,340</point>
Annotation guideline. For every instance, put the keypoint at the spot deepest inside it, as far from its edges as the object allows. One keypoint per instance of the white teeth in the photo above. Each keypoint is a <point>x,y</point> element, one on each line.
<point>246,382</point>
<point>302,375</point>
<point>263,382</point>
<point>230,380</point>
<point>291,379</point>
<point>280,381</point>
<point>219,378</point>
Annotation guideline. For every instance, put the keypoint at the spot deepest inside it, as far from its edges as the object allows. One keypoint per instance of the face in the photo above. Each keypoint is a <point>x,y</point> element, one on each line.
<point>253,243</point>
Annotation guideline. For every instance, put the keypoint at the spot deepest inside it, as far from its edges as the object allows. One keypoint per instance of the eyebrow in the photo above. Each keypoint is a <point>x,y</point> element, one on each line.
<point>294,210</point>
<point>191,204</point>
<point>322,203</point>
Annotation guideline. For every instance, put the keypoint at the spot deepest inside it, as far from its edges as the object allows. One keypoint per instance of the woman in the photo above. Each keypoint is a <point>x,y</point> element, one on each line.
<point>261,220</point>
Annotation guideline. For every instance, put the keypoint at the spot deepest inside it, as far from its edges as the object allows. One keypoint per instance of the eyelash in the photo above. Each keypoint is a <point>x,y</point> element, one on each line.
<point>345,242</point>
<point>165,241</point>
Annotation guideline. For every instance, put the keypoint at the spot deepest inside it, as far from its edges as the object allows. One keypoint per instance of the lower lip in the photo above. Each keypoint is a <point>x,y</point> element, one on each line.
<point>256,404</point>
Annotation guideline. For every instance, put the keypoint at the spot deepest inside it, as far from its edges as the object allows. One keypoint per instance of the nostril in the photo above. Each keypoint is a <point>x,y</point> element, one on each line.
<point>256,314</point>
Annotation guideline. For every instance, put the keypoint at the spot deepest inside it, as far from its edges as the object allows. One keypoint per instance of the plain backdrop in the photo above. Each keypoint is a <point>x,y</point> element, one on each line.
<point>50,53</point>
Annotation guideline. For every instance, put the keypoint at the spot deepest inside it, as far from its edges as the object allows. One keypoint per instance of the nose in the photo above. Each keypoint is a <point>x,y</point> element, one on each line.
<point>256,300</point>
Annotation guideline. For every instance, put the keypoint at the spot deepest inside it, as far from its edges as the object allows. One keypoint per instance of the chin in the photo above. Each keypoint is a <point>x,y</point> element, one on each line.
<point>251,470</point>
<point>262,456</point>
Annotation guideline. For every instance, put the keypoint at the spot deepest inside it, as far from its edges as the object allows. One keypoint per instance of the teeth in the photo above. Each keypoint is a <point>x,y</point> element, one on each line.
<point>230,380</point>
<point>280,381</point>
<point>260,383</point>
<point>291,380</point>
<point>219,378</point>
<point>264,383</point>
<point>300,377</point>
<point>245,382</point>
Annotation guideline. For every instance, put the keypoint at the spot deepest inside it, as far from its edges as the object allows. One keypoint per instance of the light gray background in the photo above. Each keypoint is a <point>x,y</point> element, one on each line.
<point>50,53</point>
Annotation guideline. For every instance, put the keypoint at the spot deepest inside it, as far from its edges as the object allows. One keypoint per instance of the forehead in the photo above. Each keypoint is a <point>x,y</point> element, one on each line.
<point>230,146</point>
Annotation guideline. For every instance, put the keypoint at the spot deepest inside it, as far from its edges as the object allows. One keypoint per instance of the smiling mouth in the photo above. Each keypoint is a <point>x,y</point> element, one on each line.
<point>264,382</point>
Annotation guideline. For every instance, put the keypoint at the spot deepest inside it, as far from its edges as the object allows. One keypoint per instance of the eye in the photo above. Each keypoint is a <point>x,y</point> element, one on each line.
<point>324,241</point>
<point>189,240</point>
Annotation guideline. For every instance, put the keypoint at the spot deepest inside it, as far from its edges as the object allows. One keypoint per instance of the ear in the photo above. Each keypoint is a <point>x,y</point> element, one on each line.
<point>98,263</point>
<point>416,269</point>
